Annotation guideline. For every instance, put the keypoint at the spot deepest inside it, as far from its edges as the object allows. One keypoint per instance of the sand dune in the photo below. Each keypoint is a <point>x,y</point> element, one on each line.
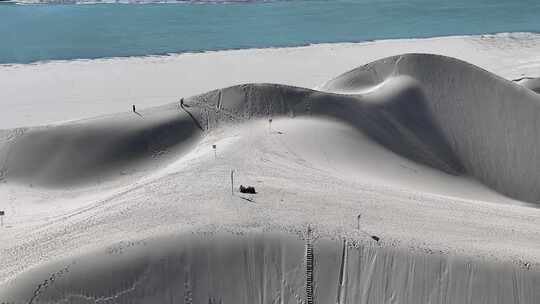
<point>419,144</point>
<point>267,268</point>
<point>434,110</point>
<point>489,123</point>
<point>98,149</point>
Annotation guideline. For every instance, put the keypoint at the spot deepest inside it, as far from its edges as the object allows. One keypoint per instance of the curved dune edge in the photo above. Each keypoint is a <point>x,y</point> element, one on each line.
<point>489,122</point>
<point>267,268</point>
<point>531,83</point>
<point>96,150</point>
<point>434,110</point>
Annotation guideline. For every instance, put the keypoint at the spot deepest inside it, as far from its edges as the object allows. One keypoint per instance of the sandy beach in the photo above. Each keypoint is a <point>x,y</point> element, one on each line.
<point>404,159</point>
<point>70,90</point>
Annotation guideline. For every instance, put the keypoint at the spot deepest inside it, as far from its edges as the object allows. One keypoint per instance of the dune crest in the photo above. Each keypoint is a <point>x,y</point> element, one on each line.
<point>531,83</point>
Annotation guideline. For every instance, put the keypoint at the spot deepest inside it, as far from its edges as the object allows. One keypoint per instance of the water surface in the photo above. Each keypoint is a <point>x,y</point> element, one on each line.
<point>31,33</point>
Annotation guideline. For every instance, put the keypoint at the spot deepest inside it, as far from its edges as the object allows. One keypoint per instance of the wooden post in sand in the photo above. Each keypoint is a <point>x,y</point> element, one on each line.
<point>215,153</point>
<point>232,182</point>
<point>309,268</point>
<point>358,221</point>
<point>2,213</point>
<point>270,125</point>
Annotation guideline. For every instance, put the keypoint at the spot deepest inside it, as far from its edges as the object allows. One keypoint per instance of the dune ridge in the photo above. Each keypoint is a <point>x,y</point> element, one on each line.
<point>432,109</point>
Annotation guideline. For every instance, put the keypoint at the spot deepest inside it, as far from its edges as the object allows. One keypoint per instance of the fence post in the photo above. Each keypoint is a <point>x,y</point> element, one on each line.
<point>232,182</point>
<point>309,268</point>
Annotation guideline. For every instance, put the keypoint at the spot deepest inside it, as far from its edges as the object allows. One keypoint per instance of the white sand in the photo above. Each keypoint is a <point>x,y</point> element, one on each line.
<point>40,94</point>
<point>422,149</point>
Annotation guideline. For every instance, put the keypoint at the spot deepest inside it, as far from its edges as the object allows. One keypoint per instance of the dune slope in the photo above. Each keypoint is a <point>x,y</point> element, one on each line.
<point>267,268</point>
<point>490,123</point>
<point>94,150</point>
<point>432,109</point>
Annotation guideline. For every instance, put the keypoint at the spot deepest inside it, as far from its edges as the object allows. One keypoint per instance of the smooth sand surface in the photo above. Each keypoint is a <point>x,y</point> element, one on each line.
<point>39,94</point>
<point>93,149</point>
<point>437,155</point>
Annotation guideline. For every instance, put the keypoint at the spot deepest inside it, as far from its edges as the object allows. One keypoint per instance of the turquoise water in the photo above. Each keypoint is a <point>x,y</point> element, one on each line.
<point>30,33</point>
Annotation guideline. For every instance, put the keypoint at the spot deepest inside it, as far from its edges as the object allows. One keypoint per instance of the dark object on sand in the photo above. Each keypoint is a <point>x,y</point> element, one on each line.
<point>182,102</point>
<point>134,109</point>
<point>232,182</point>
<point>247,189</point>
<point>376,238</point>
